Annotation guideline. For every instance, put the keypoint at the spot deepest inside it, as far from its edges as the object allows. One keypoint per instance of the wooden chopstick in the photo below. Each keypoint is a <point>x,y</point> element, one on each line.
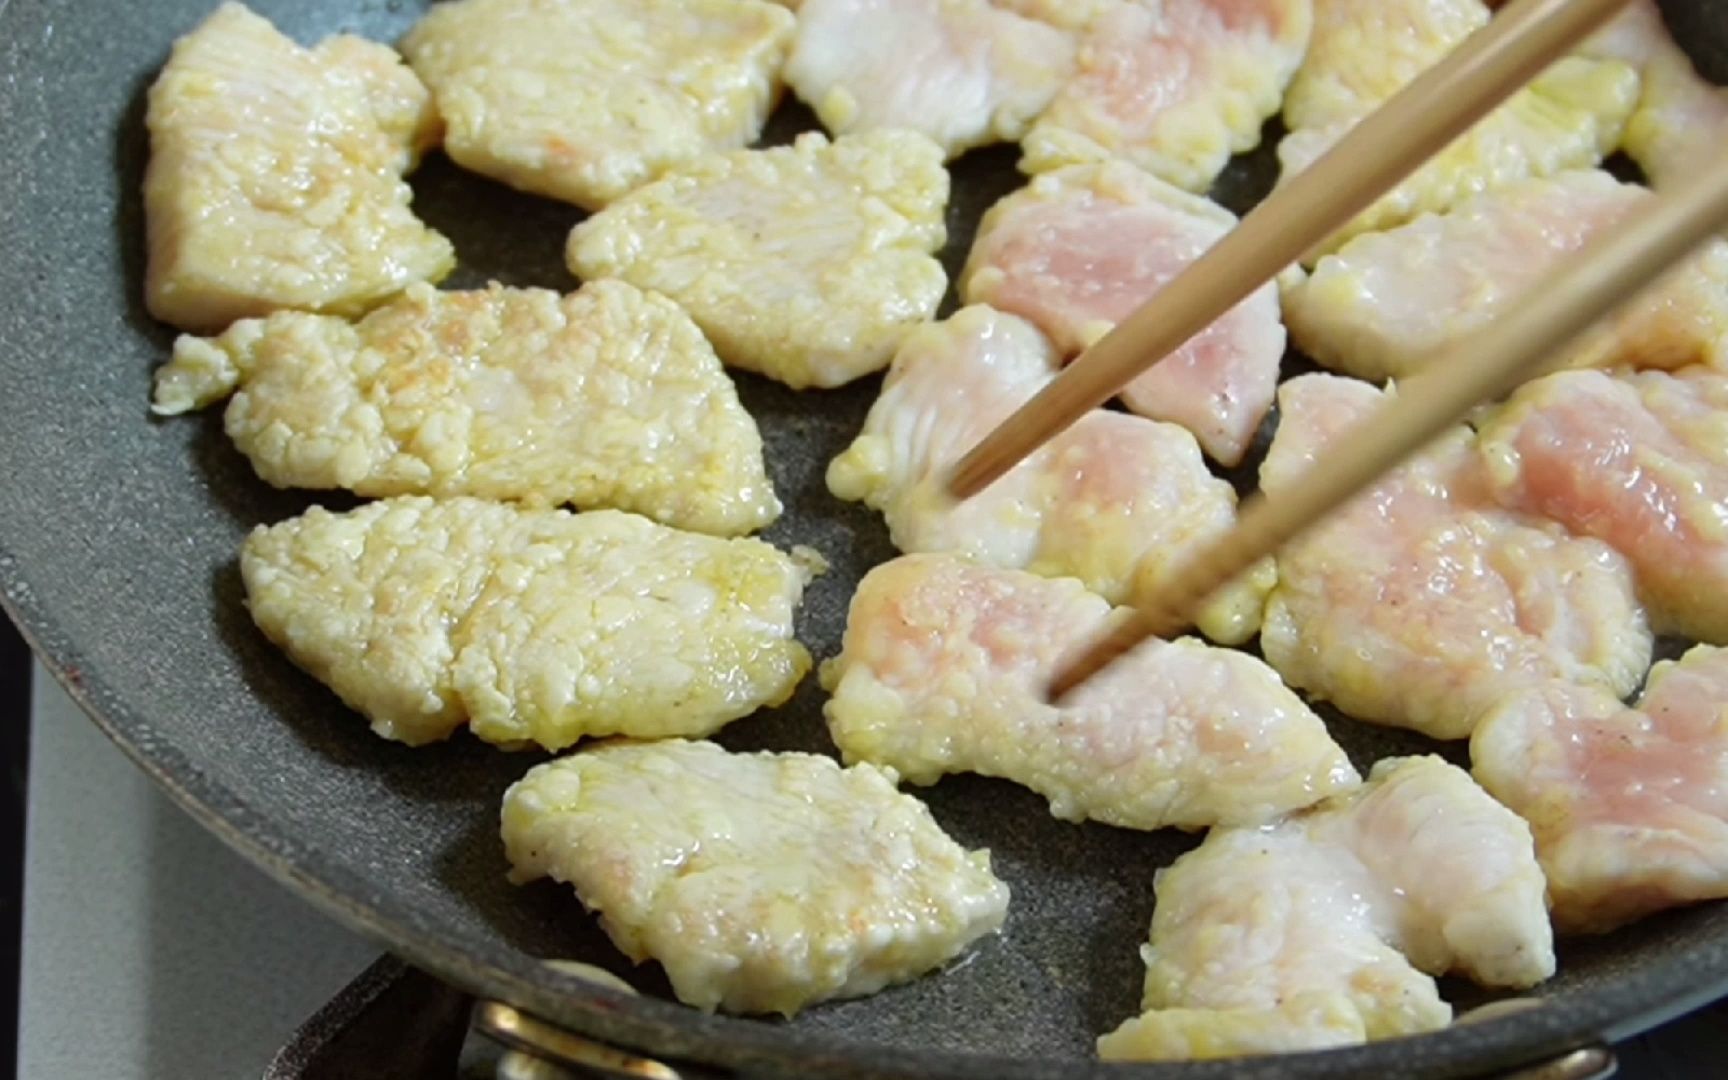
<point>1603,276</point>
<point>1370,160</point>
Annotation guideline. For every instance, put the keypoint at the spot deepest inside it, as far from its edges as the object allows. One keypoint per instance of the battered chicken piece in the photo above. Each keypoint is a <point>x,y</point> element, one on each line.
<point>761,882</point>
<point>1629,806</point>
<point>1174,86</point>
<point>275,176</point>
<point>1364,51</point>
<point>1640,461</point>
<point>963,72</point>
<point>1325,929</point>
<point>1381,305</point>
<point>583,100</point>
<point>534,626</point>
<point>1116,500</point>
<point>1421,604</point>
<point>807,263</point>
<point>606,397</point>
<point>1068,14</point>
<point>1082,247</point>
<point>945,669</point>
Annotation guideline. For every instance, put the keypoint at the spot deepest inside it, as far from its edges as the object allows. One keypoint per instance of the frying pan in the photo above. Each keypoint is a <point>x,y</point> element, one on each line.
<point>118,539</point>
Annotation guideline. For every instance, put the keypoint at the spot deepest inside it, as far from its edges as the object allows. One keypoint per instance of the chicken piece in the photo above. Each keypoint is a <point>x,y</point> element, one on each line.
<point>1326,929</point>
<point>1420,604</point>
<point>583,100</point>
<point>275,176</point>
<point>1382,304</point>
<point>760,882</point>
<point>1364,51</point>
<point>1067,14</point>
<point>606,397</point>
<point>532,625</point>
<point>1640,461</point>
<point>1082,247</point>
<point>960,71</point>
<point>1116,500</point>
<point>1174,87</point>
<point>1629,806</point>
<point>807,263</point>
<point>945,668</point>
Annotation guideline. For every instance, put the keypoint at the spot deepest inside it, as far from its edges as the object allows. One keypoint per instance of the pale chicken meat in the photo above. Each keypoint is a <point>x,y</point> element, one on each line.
<point>583,100</point>
<point>1639,461</point>
<point>1173,86</point>
<point>275,176</point>
<point>1116,500</point>
<point>1629,805</point>
<point>1068,14</point>
<point>531,626</point>
<point>1080,248</point>
<point>1364,51</point>
<point>762,883</point>
<point>963,72</point>
<point>1381,305</point>
<point>945,667</point>
<point>1326,929</point>
<point>606,397</point>
<point>807,263</point>
<point>1421,603</point>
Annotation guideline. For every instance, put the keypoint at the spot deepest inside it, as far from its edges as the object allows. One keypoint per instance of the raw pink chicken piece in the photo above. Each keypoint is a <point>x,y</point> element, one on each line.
<point>1080,248</point>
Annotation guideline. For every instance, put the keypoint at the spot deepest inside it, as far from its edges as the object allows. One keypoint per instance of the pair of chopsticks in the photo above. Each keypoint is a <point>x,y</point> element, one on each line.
<point>1370,160</point>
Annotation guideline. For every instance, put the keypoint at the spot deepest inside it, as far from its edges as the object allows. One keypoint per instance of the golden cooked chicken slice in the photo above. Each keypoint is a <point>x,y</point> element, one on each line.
<point>807,263</point>
<point>275,176</point>
<point>1116,500</point>
<point>583,100</point>
<point>963,72</point>
<point>1421,603</point>
<point>762,883</point>
<point>1378,307</point>
<point>1175,87</point>
<point>1629,805</point>
<point>1364,51</point>
<point>1326,929</point>
<point>606,397</point>
<point>945,668</point>
<point>1640,461</point>
<point>1080,248</point>
<point>532,626</point>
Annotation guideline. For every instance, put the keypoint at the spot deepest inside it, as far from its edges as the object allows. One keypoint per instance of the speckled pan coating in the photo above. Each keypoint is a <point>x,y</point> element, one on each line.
<point>118,536</point>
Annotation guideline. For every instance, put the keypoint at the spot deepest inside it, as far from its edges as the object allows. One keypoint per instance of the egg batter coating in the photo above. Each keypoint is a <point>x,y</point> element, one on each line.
<point>1327,929</point>
<point>1421,603</point>
<point>1116,500</point>
<point>1364,51</point>
<point>762,883</point>
<point>606,397</point>
<point>533,626</point>
<point>583,100</point>
<point>1173,86</point>
<point>945,667</point>
<point>807,263</point>
<point>275,176</point>
<point>1080,248</point>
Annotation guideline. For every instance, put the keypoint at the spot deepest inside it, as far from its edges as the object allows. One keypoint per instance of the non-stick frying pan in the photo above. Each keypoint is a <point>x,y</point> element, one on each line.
<point>118,537</point>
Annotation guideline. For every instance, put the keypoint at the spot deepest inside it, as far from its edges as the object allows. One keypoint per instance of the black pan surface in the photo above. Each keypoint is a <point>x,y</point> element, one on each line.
<point>118,537</point>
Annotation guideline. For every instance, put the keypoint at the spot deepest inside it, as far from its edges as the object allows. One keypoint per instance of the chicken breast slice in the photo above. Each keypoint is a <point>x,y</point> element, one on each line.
<point>1421,603</point>
<point>964,72</point>
<point>1326,929</point>
<point>1173,86</point>
<point>1381,305</point>
<point>1628,805</point>
<point>762,883</point>
<point>583,100</point>
<point>275,176</point>
<point>1640,461</point>
<point>534,626</point>
<point>807,263</point>
<point>1080,248</point>
<point>1364,51</point>
<point>606,397</point>
<point>945,668</point>
<point>1116,500</point>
